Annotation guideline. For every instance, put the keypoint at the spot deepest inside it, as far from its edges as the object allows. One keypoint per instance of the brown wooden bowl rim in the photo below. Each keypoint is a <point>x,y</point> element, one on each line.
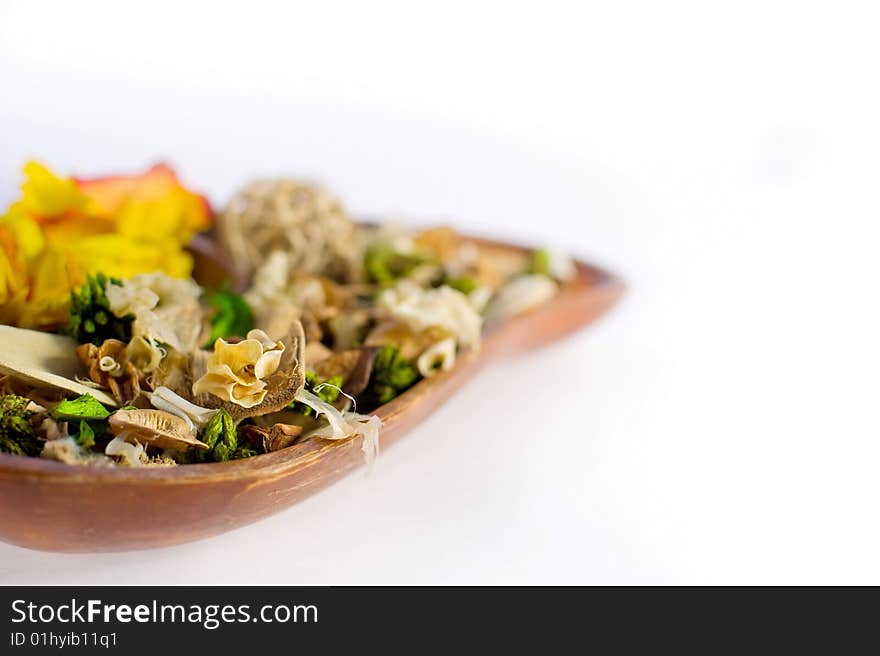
<point>589,275</point>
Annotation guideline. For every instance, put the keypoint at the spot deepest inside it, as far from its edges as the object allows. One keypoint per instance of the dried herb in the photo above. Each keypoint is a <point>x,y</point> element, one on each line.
<point>392,374</point>
<point>465,284</point>
<point>17,436</point>
<point>244,452</point>
<point>86,435</point>
<point>221,437</point>
<point>91,319</point>
<point>384,265</point>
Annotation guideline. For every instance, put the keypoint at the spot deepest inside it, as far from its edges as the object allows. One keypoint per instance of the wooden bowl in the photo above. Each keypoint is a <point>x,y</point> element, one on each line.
<point>52,506</point>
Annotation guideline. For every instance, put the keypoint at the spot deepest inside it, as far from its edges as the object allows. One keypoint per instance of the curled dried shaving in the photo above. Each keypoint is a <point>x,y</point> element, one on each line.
<point>109,367</point>
<point>344,425</point>
<point>440,356</point>
<point>166,399</point>
<point>337,427</point>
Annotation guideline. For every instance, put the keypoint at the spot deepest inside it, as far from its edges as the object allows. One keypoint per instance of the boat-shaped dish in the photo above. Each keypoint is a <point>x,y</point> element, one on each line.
<point>53,506</point>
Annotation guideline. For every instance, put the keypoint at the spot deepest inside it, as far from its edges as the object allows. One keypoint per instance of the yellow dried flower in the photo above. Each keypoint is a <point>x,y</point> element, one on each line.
<point>64,228</point>
<point>237,372</point>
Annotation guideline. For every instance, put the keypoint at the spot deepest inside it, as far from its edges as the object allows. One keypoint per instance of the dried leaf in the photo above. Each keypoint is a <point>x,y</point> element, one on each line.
<point>83,407</point>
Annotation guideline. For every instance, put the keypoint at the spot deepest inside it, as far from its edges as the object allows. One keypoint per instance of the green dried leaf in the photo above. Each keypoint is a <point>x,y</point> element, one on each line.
<point>244,452</point>
<point>392,374</point>
<point>86,436</point>
<point>82,407</point>
<point>232,316</point>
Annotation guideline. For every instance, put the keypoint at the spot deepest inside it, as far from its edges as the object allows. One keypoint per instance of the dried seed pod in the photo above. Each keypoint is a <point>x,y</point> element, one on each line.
<point>154,428</point>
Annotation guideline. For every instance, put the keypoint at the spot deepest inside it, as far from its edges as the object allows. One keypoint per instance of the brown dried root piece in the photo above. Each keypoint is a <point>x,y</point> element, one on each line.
<point>109,366</point>
<point>154,428</point>
<point>274,438</point>
<point>282,436</point>
<point>179,374</point>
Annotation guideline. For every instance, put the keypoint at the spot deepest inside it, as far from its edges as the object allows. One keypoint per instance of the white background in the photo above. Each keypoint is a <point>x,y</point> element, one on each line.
<point>720,426</point>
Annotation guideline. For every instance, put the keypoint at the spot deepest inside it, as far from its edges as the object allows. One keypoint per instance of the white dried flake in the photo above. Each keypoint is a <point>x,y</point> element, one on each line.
<point>68,450</point>
<point>367,426</point>
<point>519,295</point>
<point>132,455</point>
<point>269,283</point>
<point>560,266</point>
<point>439,356</point>
<point>443,307</point>
<point>145,353</point>
<point>166,309</point>
<point>479,298</point>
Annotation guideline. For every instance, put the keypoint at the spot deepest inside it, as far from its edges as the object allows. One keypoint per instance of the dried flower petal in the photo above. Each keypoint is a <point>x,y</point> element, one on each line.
<point>237,372</point>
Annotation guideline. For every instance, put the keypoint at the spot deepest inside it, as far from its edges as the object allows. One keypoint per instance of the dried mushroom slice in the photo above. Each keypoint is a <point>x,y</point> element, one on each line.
<point>154,428</point>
